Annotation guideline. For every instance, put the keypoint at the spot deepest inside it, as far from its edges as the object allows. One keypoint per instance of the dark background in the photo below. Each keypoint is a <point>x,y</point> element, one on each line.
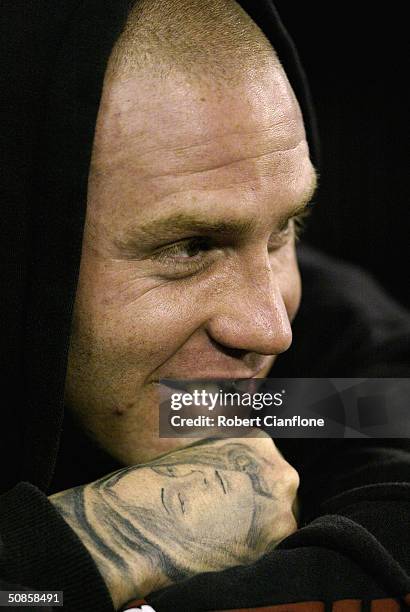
<point>355,58</point>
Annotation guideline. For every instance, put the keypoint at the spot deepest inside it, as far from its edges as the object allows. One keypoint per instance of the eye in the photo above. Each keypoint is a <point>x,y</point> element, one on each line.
<point>188,249</point>
<point>280,237</point>
<point>292,228</point>
<point>186,256</point>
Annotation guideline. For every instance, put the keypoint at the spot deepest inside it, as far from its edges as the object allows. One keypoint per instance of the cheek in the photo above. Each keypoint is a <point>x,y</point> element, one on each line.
<point>232,519</point>
<point>124,319</point>
<point>122,313</point>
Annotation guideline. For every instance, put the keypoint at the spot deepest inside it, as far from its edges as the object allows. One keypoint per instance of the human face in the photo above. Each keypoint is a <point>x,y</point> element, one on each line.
<point>179,495</point>
<point>213,503</point>
<point>188,266</point>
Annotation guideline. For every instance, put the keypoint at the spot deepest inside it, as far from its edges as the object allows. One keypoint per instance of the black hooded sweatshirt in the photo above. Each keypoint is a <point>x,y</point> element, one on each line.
<point>353,544</point>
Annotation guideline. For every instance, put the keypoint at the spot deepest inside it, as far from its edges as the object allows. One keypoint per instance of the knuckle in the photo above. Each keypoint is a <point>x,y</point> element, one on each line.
<point>288,482</point>
<point>289,473</point>
<point>288,525</point>
<point>293,478</point>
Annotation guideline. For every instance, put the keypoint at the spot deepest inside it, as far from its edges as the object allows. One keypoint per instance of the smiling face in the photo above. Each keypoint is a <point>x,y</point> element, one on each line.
<point>215,502</point>
<point>184,491</point>
<point>188,267</point>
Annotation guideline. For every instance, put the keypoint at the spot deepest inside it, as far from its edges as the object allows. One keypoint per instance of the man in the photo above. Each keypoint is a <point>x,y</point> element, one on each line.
<point>170,225</point>
<point>200,170</point>
<point>203,508</point>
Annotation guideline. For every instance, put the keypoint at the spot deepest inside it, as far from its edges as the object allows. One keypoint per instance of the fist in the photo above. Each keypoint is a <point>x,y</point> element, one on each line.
<point>206,507</point>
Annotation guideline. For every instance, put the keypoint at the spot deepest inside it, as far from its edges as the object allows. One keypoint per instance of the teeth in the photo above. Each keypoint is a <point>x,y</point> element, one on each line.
<point>199,386</point>
<point>190,387</point>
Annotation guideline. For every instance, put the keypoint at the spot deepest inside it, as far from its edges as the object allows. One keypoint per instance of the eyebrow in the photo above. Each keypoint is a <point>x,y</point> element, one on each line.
<point>165,228</point>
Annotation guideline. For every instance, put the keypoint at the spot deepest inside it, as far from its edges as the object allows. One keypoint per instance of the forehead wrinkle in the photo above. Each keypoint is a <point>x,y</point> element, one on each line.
<point>144,143</point>
<point>178,166</point>
<point>117,139</point>
<point>222,164</point>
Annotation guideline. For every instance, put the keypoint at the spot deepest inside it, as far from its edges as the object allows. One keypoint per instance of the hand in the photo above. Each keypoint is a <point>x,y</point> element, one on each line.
<point>208,506</point>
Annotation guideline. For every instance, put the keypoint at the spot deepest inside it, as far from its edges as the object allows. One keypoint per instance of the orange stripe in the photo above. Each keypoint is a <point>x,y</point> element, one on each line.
<point>385,605</point>
<point>347,605</point>
<point>342,605</point>
<point>306,606</point>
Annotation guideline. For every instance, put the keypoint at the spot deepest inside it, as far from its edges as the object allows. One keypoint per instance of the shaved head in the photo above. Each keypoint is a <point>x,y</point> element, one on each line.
<point>215,39</point>
<point>200,166</point>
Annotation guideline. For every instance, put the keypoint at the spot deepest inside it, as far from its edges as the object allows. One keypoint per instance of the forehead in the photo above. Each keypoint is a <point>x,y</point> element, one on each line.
<point>157,139</point>
<point>143,114</point>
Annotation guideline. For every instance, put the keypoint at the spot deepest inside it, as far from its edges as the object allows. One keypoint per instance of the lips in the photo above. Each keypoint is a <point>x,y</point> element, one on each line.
<point>183,382</point>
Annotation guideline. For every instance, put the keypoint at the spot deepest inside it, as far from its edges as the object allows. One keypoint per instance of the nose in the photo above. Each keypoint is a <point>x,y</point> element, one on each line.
<point>251,314</point>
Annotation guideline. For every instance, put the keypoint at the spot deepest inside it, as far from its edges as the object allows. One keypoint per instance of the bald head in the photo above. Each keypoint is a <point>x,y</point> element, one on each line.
<point>201,40</point>
<point>188,269</point>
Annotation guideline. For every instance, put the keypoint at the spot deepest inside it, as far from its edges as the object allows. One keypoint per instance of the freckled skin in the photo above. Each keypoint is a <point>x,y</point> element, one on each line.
<point>171,146</point>
<point>199,304</point>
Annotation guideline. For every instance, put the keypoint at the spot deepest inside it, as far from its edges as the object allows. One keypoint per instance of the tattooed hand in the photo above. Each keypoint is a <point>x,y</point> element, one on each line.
<point>209,506</point>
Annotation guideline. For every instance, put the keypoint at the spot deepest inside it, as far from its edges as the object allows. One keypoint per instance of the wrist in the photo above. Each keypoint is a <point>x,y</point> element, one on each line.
<point>125,583</point>
<point>125,578</point>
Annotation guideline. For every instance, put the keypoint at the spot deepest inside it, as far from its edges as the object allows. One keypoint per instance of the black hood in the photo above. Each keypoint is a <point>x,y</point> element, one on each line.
<point>53,62</point>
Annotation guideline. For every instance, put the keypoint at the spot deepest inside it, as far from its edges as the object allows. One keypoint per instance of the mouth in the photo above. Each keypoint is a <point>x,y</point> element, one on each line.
<point>184,383</point>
